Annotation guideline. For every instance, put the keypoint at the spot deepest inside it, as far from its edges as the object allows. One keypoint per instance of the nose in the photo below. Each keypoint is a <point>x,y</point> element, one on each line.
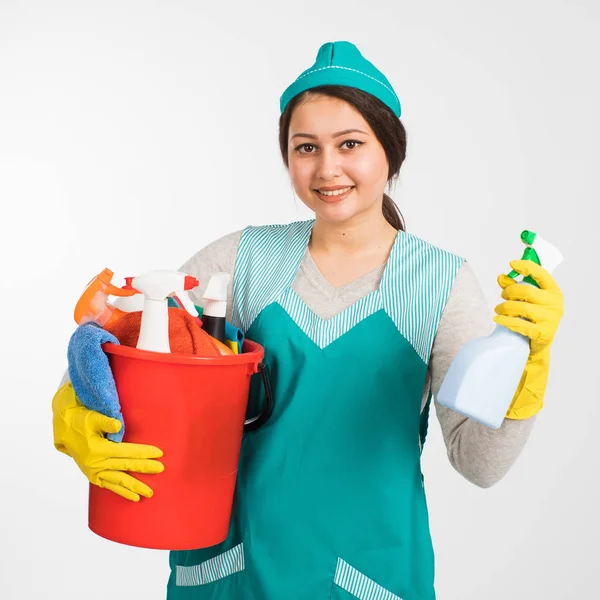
<point>329,166</point>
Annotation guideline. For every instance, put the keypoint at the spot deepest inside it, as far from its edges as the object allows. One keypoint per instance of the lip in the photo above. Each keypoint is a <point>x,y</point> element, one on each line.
<point>334,199</point>
<point>332,188</point>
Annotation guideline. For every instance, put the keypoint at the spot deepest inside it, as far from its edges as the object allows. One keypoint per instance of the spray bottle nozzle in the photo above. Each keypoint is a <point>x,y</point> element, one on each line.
<point>93,305</point>
<point>544,254</point>
<point>528,237</point>
<point>190,283</point>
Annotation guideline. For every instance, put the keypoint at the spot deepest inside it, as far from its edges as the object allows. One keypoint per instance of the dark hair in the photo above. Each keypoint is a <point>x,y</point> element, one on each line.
<point>387,128</point>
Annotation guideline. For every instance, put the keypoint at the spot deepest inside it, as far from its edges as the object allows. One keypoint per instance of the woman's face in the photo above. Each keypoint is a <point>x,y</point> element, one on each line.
<point>323,154</point>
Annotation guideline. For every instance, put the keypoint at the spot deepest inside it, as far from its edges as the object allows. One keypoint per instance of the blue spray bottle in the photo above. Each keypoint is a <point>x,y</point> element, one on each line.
<point>485,374</point>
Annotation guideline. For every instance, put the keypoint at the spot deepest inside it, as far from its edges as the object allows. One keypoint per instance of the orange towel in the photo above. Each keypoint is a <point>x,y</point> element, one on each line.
<point>185,336</point>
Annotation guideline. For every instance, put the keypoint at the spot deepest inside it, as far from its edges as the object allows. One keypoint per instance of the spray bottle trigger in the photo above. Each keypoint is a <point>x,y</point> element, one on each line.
<point>185,301</point>
<point>528,254</point>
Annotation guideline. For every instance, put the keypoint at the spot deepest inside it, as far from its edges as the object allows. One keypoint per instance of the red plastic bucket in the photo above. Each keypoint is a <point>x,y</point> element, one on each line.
<point>193,409</point>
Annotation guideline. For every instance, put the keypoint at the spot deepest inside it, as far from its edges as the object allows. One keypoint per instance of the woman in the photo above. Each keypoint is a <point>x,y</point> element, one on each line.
<point>360,321</point>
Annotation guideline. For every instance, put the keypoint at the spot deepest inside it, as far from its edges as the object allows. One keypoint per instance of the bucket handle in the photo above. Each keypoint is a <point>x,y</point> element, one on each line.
<point>263,416</point>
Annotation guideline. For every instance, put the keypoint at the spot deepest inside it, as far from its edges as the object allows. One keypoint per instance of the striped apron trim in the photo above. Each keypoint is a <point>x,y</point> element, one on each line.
<point>414,287</point>
<point>321,332</point>
<point>216,568</point>
<point>359,585</point>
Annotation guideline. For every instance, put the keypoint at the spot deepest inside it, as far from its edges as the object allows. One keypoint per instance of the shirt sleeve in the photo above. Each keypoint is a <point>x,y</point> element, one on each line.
<point>219,256</point>
<point>480,454</point>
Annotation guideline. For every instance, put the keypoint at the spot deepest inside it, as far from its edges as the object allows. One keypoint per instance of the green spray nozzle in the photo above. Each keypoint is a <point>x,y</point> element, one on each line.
<point>550,255</point>
<point>528,237</point>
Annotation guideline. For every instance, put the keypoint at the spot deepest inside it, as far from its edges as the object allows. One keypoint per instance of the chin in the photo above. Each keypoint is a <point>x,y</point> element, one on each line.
<point>336,213</point>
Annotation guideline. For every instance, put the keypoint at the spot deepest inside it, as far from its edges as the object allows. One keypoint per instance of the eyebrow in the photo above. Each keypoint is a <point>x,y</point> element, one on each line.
<point>314,137</point>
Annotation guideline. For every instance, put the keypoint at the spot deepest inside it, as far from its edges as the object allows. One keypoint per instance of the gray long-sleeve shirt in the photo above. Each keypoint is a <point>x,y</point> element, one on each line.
<point>482,455</point>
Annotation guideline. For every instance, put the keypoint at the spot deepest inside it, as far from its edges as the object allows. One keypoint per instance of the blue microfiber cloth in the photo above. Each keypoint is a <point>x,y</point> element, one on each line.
<point>90,373</point>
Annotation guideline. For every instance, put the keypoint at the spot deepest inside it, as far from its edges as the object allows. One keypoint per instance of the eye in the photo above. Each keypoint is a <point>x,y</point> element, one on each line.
<point>297,148</point>
<point>356,142</point>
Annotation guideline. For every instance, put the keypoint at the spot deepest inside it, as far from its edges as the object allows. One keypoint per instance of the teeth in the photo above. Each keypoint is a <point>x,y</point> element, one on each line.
<point>336,192</point>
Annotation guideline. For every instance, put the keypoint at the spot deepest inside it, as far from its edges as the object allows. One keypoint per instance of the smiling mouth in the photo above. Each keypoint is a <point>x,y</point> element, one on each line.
<point>334,194</point>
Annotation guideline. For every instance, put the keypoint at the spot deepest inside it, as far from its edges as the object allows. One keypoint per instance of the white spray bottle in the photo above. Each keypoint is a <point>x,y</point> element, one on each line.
<point>157,286</point>
<point>215,306</point>
<point>485,374</point>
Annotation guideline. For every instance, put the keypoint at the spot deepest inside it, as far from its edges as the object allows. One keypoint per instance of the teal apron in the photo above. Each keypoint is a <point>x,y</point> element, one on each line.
<point>329,501</point>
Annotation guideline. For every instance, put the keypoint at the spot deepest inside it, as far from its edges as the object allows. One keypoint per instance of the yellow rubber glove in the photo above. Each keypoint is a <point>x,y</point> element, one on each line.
<point>543,309</point>
<point>79,433</point>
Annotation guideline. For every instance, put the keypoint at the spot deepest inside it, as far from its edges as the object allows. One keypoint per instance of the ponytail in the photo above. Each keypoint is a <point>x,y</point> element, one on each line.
<point>392,213</point>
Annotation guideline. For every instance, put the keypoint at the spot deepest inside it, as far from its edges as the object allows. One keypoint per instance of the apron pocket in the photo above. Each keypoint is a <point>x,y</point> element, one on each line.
<point>357,585</point>
<point>219,567</point>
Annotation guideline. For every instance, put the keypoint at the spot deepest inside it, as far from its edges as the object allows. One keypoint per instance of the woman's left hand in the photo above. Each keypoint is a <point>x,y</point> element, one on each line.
<point>543,307</point>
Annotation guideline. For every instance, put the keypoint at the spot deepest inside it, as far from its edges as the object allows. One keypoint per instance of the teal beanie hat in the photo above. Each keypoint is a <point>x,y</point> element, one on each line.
<point>341,63</point>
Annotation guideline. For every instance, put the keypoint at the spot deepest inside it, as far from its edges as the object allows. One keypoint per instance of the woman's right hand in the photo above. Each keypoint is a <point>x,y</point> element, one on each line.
<point>79,433</point>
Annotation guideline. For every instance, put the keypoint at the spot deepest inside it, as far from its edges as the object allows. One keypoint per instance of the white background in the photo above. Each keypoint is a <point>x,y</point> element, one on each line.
<point>134,133</point>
